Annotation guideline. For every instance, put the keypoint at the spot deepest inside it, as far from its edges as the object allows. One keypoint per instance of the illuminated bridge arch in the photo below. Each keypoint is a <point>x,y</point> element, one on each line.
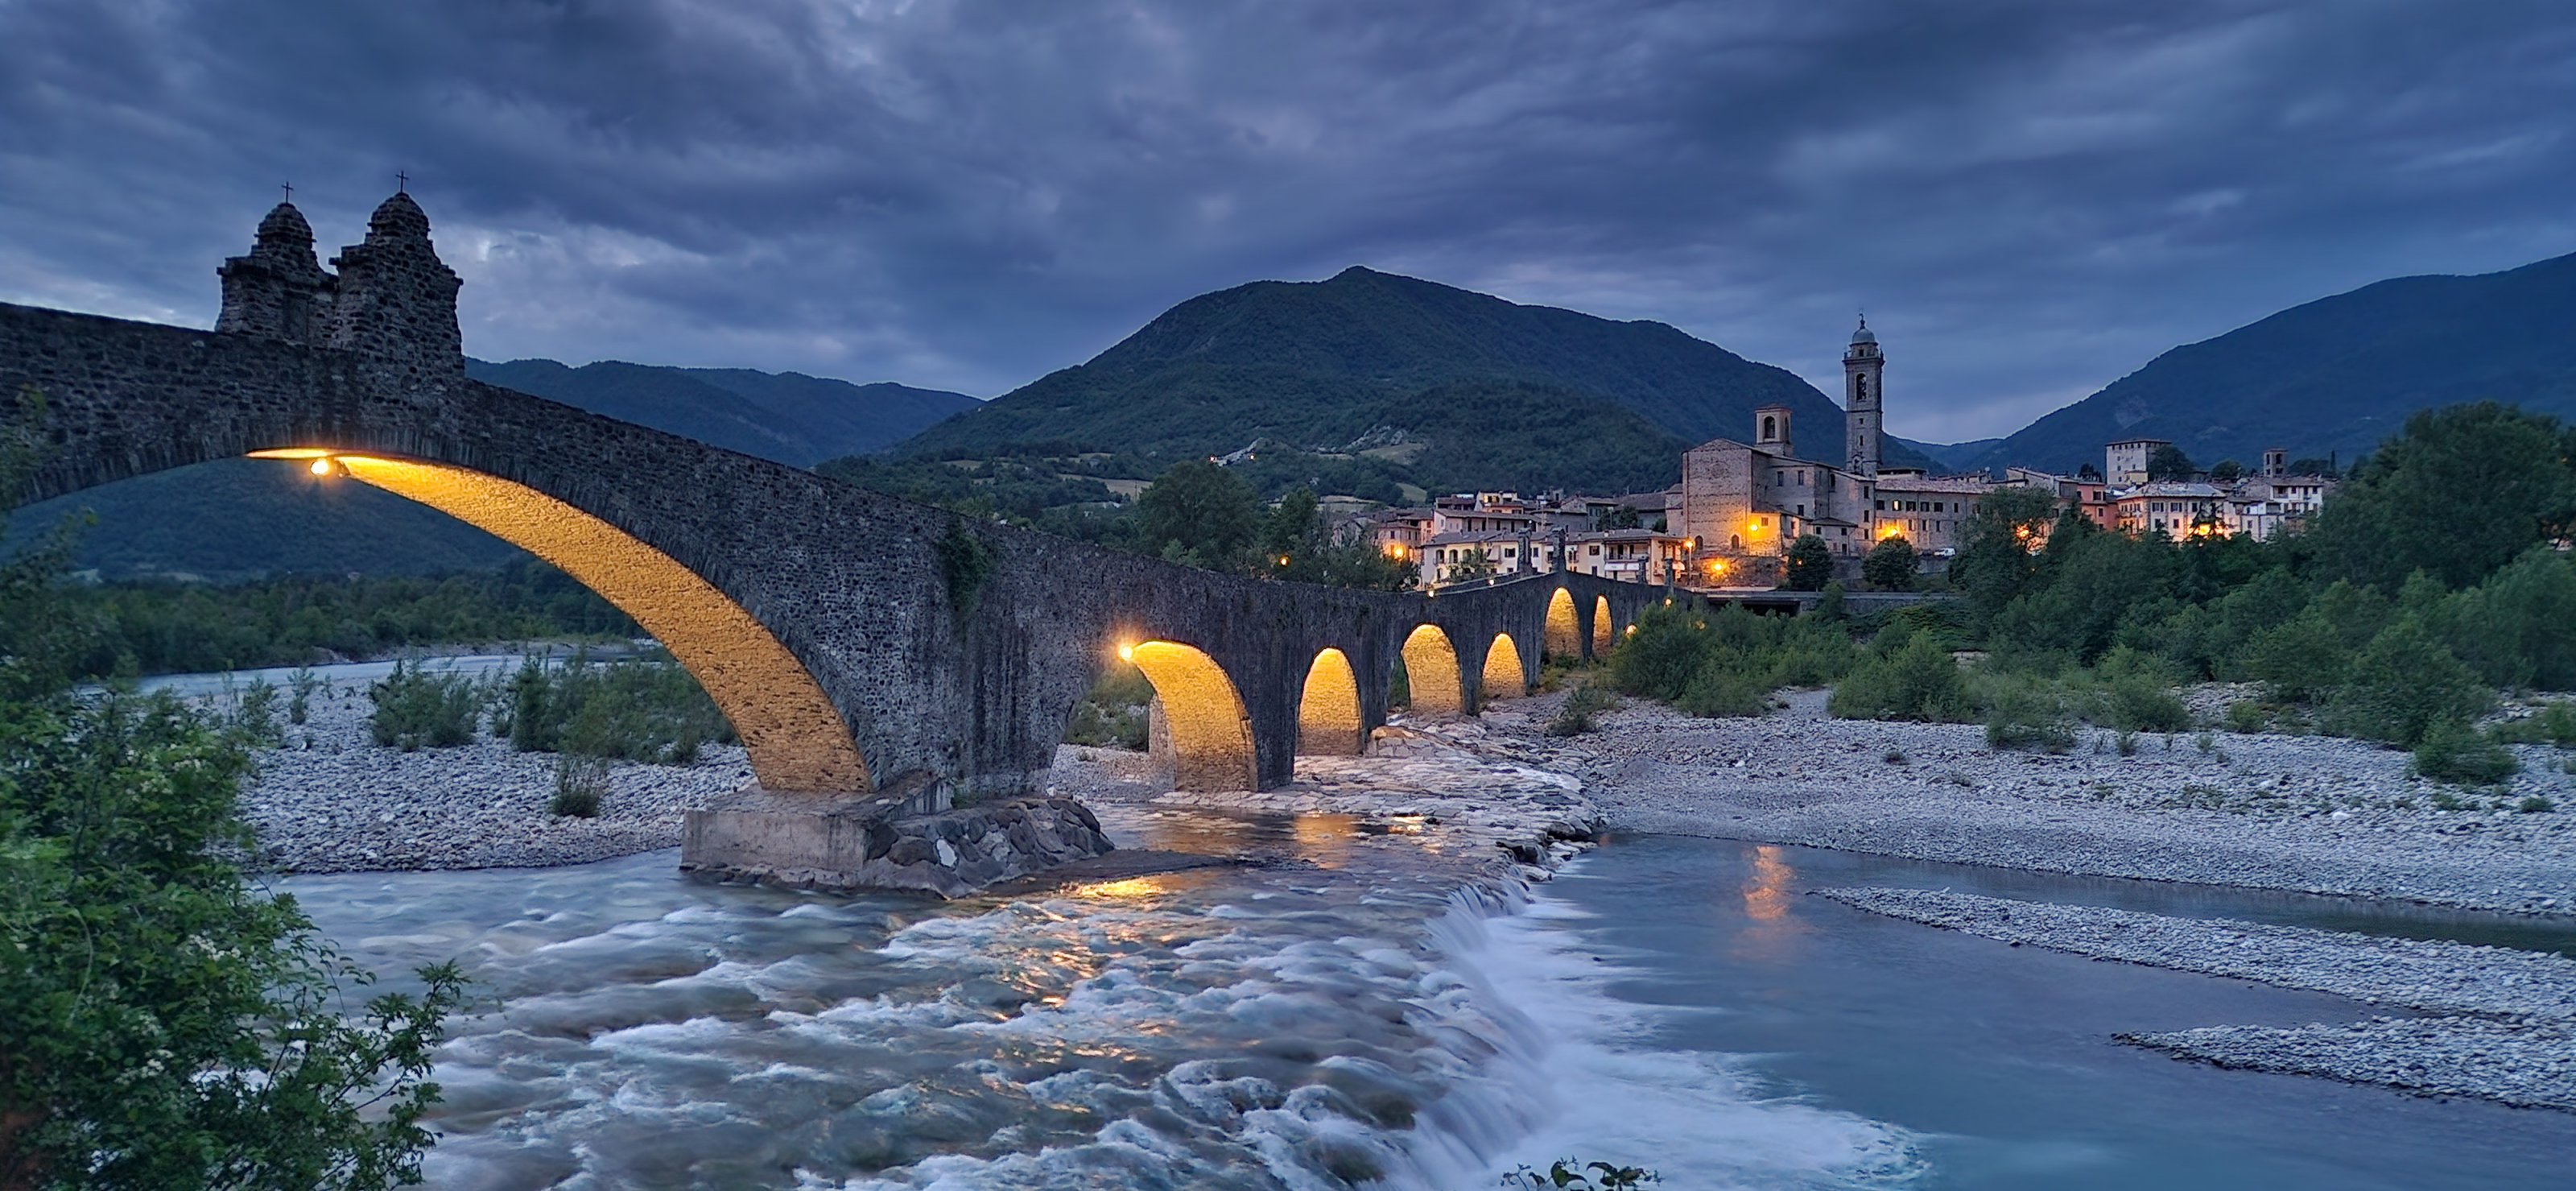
<point>795,737</point>
<point>1431,671</point>
<point>1564,637</point>
<point>1602,629</point>
<point>1211,734</point>
<point>1504,676</point>
<point>1329,723</point>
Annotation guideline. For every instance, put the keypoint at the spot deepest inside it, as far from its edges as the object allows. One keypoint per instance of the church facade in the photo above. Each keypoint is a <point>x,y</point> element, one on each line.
<point>1743,503</point>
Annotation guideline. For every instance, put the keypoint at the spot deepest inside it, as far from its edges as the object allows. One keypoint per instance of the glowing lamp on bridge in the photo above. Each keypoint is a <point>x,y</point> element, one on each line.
<point>1126,651</point>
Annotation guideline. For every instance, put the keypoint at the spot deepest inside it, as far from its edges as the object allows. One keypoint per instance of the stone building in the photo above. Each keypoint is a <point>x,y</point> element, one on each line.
<point>1742,503</point>
<point>392,300</point>
<point>2124,463</point>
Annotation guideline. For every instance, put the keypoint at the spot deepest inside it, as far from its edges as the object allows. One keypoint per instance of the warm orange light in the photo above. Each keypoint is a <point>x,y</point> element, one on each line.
<point>322,466</point>
<point>1211,735</point>
<point>1283,560</point>
<point>1431,669</point>
<point>1328,710</point>
<point>1503,674</point>
<point>796,738</point>
<point>1126,651</point>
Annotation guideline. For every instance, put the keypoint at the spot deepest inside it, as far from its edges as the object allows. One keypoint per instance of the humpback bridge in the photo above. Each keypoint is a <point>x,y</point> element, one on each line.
<point>860,643</point>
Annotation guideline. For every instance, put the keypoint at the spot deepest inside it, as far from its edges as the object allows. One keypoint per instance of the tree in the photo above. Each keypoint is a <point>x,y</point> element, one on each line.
<point>1811,564</point>
<point>2314,467</point>
<point>2226,470</point>
<point>1891,564</point>
<point>1198,514</point>
<point>2458,493</point>
<point>163,1023</point>
<point>2402,684</point>
<point>2003,538</point>
<point>2088,472</point>
<point>1618,517</point>
<point>2167,462</point>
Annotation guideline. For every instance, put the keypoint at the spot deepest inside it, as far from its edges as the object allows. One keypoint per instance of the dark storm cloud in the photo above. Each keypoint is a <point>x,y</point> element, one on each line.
<point>2029,198</point>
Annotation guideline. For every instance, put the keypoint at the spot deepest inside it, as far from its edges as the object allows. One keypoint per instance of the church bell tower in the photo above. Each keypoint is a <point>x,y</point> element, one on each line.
<point>1862,366</point>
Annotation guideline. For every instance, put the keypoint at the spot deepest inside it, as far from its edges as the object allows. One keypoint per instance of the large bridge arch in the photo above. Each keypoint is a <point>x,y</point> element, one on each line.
<point>1431,672</point>
<point>1564,640</point>
<point>795,738</point>
<point>1211,733</point>
<point>1505,676</point>
<point>1330,721</point>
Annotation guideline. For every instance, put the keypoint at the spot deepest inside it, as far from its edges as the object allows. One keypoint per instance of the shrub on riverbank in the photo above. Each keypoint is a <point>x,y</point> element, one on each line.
<point>1727,662</point>
<point>1916,679</point>
<point>2452,751</point>
<point>415,709</point>
<point>1574,716</point>
<point>632,709</point>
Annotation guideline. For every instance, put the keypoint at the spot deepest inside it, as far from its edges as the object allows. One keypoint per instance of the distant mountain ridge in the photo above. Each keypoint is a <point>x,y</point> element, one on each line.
<point>2333,376</point>
<point>787,416</point>
<point>239,518</point>
<point>1317,363</point>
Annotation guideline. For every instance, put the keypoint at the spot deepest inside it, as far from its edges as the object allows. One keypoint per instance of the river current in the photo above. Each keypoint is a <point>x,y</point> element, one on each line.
<point>1347,1008</point>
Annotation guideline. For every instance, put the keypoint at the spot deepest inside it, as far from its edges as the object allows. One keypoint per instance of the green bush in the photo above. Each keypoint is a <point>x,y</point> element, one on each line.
<point>2402,684</point>
<point>415,709</point>
<point>2534,805</point>
<point>2025,713</point>
<point>1919,681</point>
<point>633,709</point>
<point>1728,683</point>
<point>1574,716</point>
<point>1659,659</point>
<point>1810,564</point>
<point>2555,724</point>
<point>581,784</point>
<point>2451,751</point>
<point>2246,715</point>
<point>2136,703</point>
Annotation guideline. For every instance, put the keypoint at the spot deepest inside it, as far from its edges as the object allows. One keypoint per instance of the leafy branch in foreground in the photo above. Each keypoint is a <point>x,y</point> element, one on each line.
<point>162,1022</point>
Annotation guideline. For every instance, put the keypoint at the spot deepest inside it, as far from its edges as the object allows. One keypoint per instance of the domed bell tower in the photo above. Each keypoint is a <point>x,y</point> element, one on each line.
<point>1862,366</point>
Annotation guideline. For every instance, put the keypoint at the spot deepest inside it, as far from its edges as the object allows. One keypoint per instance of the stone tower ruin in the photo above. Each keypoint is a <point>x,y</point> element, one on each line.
<point>392,299</point>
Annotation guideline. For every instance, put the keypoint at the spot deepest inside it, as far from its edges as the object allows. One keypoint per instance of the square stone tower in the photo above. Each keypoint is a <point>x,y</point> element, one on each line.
<point>1862,425</point>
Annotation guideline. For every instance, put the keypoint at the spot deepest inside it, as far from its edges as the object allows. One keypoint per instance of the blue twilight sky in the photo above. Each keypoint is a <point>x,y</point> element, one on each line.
<point>2030,199</point>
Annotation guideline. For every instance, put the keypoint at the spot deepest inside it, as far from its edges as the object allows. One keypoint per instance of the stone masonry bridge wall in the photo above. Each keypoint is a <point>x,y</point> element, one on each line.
<point>849,581</point>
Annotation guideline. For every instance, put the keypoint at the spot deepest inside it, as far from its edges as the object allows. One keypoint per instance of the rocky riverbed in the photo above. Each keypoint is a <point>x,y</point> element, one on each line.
<point>331,800</point>
<point>2502,1024</point>
<point>2306,813</point>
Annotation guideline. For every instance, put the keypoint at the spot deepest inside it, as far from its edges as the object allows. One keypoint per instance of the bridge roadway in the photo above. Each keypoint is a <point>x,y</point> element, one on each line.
<point>859,643</point>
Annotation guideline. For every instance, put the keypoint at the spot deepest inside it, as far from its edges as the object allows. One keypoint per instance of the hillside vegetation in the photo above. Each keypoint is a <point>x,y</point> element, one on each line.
<point>2335,375</point>
<point>1321,365</point>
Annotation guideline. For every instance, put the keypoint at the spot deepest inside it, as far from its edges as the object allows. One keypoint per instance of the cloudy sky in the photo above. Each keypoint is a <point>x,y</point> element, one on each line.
<point>2030,199</point>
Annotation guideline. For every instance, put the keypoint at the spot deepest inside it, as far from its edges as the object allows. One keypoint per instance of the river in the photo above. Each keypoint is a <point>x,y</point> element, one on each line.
<point>1338,1010</point>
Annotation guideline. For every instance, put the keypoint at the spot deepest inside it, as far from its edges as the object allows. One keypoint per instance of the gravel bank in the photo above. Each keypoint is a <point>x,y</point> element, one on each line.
<point>2526,1064</point>
<point>332,801</point>
<point>2432,975</point>
<point>2519,1048</point>
<point>2304,813</point>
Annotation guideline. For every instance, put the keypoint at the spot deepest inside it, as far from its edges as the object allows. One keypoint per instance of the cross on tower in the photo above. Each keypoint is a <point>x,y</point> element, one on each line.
<point>290,190</point>
<point>402,182</point>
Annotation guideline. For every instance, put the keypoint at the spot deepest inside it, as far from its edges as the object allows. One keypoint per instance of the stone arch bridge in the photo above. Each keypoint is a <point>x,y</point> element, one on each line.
<point>860,643</point>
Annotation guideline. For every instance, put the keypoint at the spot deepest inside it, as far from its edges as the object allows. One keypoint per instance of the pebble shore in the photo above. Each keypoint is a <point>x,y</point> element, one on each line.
<point>331,800</point>
<point>2303,813</point>
<point>2503,1025</point>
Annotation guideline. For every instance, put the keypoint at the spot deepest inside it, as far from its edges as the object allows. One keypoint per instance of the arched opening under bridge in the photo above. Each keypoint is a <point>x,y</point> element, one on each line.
<point>1504,677</point>
<point>1211,734</point>
<point>1601,628</point>
<point>1431,670</point>
<point>1564,639</point>
<point>1328,712</point>
<point>796,738</point>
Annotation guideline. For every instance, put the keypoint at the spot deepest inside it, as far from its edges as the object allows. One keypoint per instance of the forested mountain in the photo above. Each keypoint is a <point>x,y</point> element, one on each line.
<point>240,518</point>
<point>2335,375</point>
<point>1358,358</point>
